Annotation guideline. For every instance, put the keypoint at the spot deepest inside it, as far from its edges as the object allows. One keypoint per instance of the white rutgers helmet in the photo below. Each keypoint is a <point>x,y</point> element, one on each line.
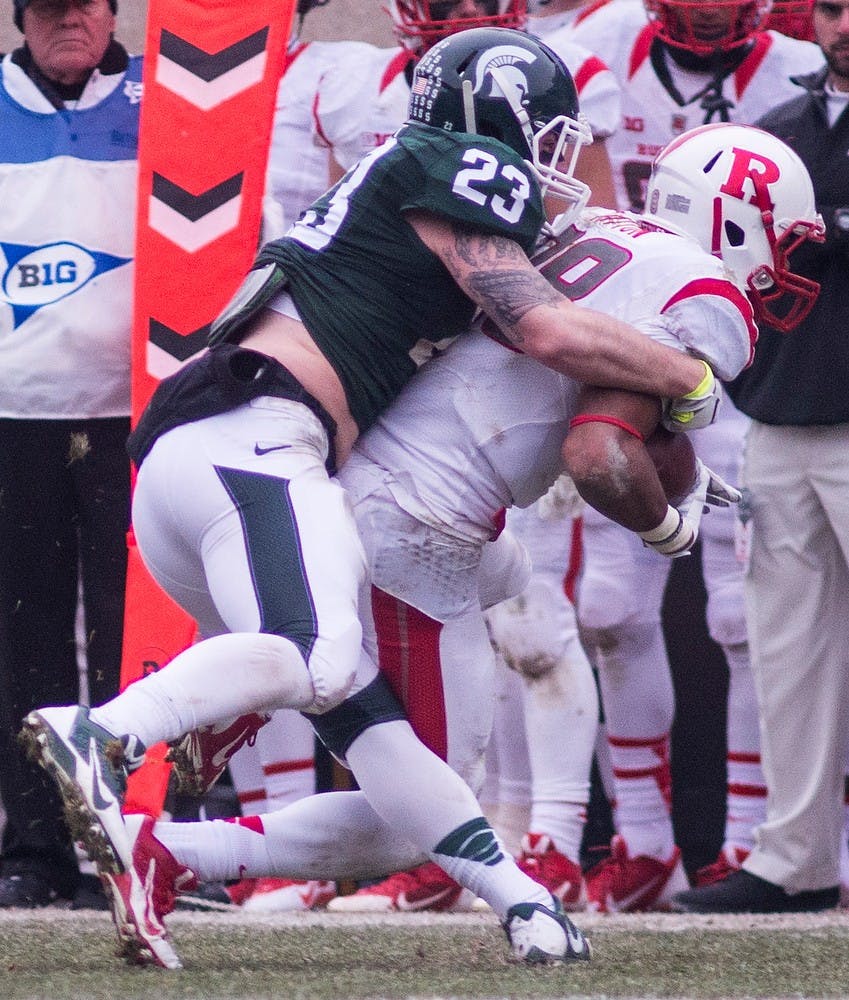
<point>747,198</point>
<point>421,23</point>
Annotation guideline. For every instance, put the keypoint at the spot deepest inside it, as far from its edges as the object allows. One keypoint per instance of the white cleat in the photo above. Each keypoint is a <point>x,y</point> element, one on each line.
<point>542,935</point>
<point>89,766</point>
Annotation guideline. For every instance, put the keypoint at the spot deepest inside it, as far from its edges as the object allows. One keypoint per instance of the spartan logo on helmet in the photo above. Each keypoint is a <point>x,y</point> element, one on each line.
<point>507,60</point>
<point>509,86</point>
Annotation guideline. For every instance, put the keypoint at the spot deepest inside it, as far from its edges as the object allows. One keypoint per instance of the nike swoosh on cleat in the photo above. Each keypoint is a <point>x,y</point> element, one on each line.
<point>622,905</point>
<point>100,803</point>
<point>264,451</point>
<point>307,897</point>
<point>577,942</point>
<point>223,754</point>
<point>408,905</point>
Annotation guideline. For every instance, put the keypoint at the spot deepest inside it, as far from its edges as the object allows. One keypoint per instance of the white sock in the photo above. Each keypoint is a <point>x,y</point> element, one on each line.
<point>561,720</point>
<point>639,704</point>
<point>746,789</point>
<point>335,835</point>
<point>474,857</point>
<point>245,768</point>
<point>641,768</point>
<point>286,748</point>
<point>216,679</point>
<point>437,808</point>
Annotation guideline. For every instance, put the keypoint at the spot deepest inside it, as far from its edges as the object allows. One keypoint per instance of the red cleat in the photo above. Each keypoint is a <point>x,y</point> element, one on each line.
<point>284,895</point>
<point>200,757</point>
<point>424,888</point>
<point>625,884</point>
<point>563,878</point>
<point>143,894</point>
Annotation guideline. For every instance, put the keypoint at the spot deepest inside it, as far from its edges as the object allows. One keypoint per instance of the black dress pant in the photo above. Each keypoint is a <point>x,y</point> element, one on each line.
<point>64,515</point>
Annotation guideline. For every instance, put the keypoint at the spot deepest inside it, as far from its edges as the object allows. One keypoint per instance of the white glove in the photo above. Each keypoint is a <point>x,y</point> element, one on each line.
<point>695,410</point>
<point>719,493</point>
<point>677,532</point>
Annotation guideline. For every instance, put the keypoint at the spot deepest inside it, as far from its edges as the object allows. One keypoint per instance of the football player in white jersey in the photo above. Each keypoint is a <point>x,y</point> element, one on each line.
<point>370,91</point>
<point>336,99</point>
<point>426,503</point>
<point>537,785</point>
<point>681,63</point>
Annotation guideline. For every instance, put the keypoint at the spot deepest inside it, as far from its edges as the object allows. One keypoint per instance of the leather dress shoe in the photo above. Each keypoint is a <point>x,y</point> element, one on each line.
<point>743,892</point>
<point>90,895</point>
<point>25,891</point>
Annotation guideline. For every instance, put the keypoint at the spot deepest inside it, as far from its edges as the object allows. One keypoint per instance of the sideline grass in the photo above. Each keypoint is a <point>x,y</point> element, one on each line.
<point>61,955</point>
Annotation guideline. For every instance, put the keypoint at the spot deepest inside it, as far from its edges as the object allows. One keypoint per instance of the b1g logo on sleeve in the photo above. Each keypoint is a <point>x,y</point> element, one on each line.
<point>36,276</point>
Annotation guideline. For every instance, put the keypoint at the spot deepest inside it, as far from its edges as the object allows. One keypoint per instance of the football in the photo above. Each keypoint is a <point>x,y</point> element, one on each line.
<point>675,461</point>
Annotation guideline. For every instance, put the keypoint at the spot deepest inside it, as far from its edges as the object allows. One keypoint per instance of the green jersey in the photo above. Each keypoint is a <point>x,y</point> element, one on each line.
<point>374,298</point>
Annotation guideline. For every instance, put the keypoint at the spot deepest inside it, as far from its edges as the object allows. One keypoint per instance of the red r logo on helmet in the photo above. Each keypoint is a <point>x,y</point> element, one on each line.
<point>750,166</point>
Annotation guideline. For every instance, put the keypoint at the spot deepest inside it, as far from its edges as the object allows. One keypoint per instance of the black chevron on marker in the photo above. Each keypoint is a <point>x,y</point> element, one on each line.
<point>195,206</point>
<point>209,66</point>
<point>176,344</point>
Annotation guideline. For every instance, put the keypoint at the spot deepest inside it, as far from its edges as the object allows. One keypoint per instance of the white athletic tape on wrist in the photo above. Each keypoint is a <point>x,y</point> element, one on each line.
<point>673,536</point>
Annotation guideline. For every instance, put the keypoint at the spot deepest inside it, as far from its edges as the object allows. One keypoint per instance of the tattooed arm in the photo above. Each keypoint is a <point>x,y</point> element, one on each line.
<point>582,343</point>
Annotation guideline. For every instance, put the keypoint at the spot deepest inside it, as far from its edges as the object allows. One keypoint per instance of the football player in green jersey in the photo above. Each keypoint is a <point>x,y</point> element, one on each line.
<point>238,446</point>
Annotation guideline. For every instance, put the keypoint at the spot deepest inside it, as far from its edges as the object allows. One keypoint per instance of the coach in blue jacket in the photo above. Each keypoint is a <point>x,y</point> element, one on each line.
<point>69,115</point>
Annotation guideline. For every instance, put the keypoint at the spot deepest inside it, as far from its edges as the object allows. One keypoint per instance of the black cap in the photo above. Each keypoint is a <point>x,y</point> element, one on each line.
<point>19,11</point>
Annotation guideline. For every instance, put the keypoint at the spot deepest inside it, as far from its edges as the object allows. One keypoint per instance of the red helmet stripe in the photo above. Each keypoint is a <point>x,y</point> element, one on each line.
<point>716,229</point>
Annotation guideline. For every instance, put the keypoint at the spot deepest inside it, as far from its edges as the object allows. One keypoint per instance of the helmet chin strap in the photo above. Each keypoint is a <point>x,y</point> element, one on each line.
<point>469,116</point>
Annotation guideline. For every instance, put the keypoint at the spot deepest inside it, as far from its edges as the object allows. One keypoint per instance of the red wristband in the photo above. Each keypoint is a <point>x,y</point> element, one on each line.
<point>603,418</point>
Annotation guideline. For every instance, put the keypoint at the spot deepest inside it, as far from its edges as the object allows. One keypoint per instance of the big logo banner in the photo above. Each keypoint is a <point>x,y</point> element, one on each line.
<point>211,73</point>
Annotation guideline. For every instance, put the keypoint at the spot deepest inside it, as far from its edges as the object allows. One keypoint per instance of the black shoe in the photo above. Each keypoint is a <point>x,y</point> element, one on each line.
<point>743,892</point>
<point>25,890</point>
<point>90,895</point>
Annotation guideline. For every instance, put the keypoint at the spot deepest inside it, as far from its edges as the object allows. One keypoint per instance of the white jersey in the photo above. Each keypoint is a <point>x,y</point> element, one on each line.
<point>599,95</point>
<point>480,427</point>
<point>651,117</point>
<point>542,27</point>
<point>298,170</point>
<point>597,86</point>
<point>372,96</point>
<point>374,92</point>
<point>67,241</point>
